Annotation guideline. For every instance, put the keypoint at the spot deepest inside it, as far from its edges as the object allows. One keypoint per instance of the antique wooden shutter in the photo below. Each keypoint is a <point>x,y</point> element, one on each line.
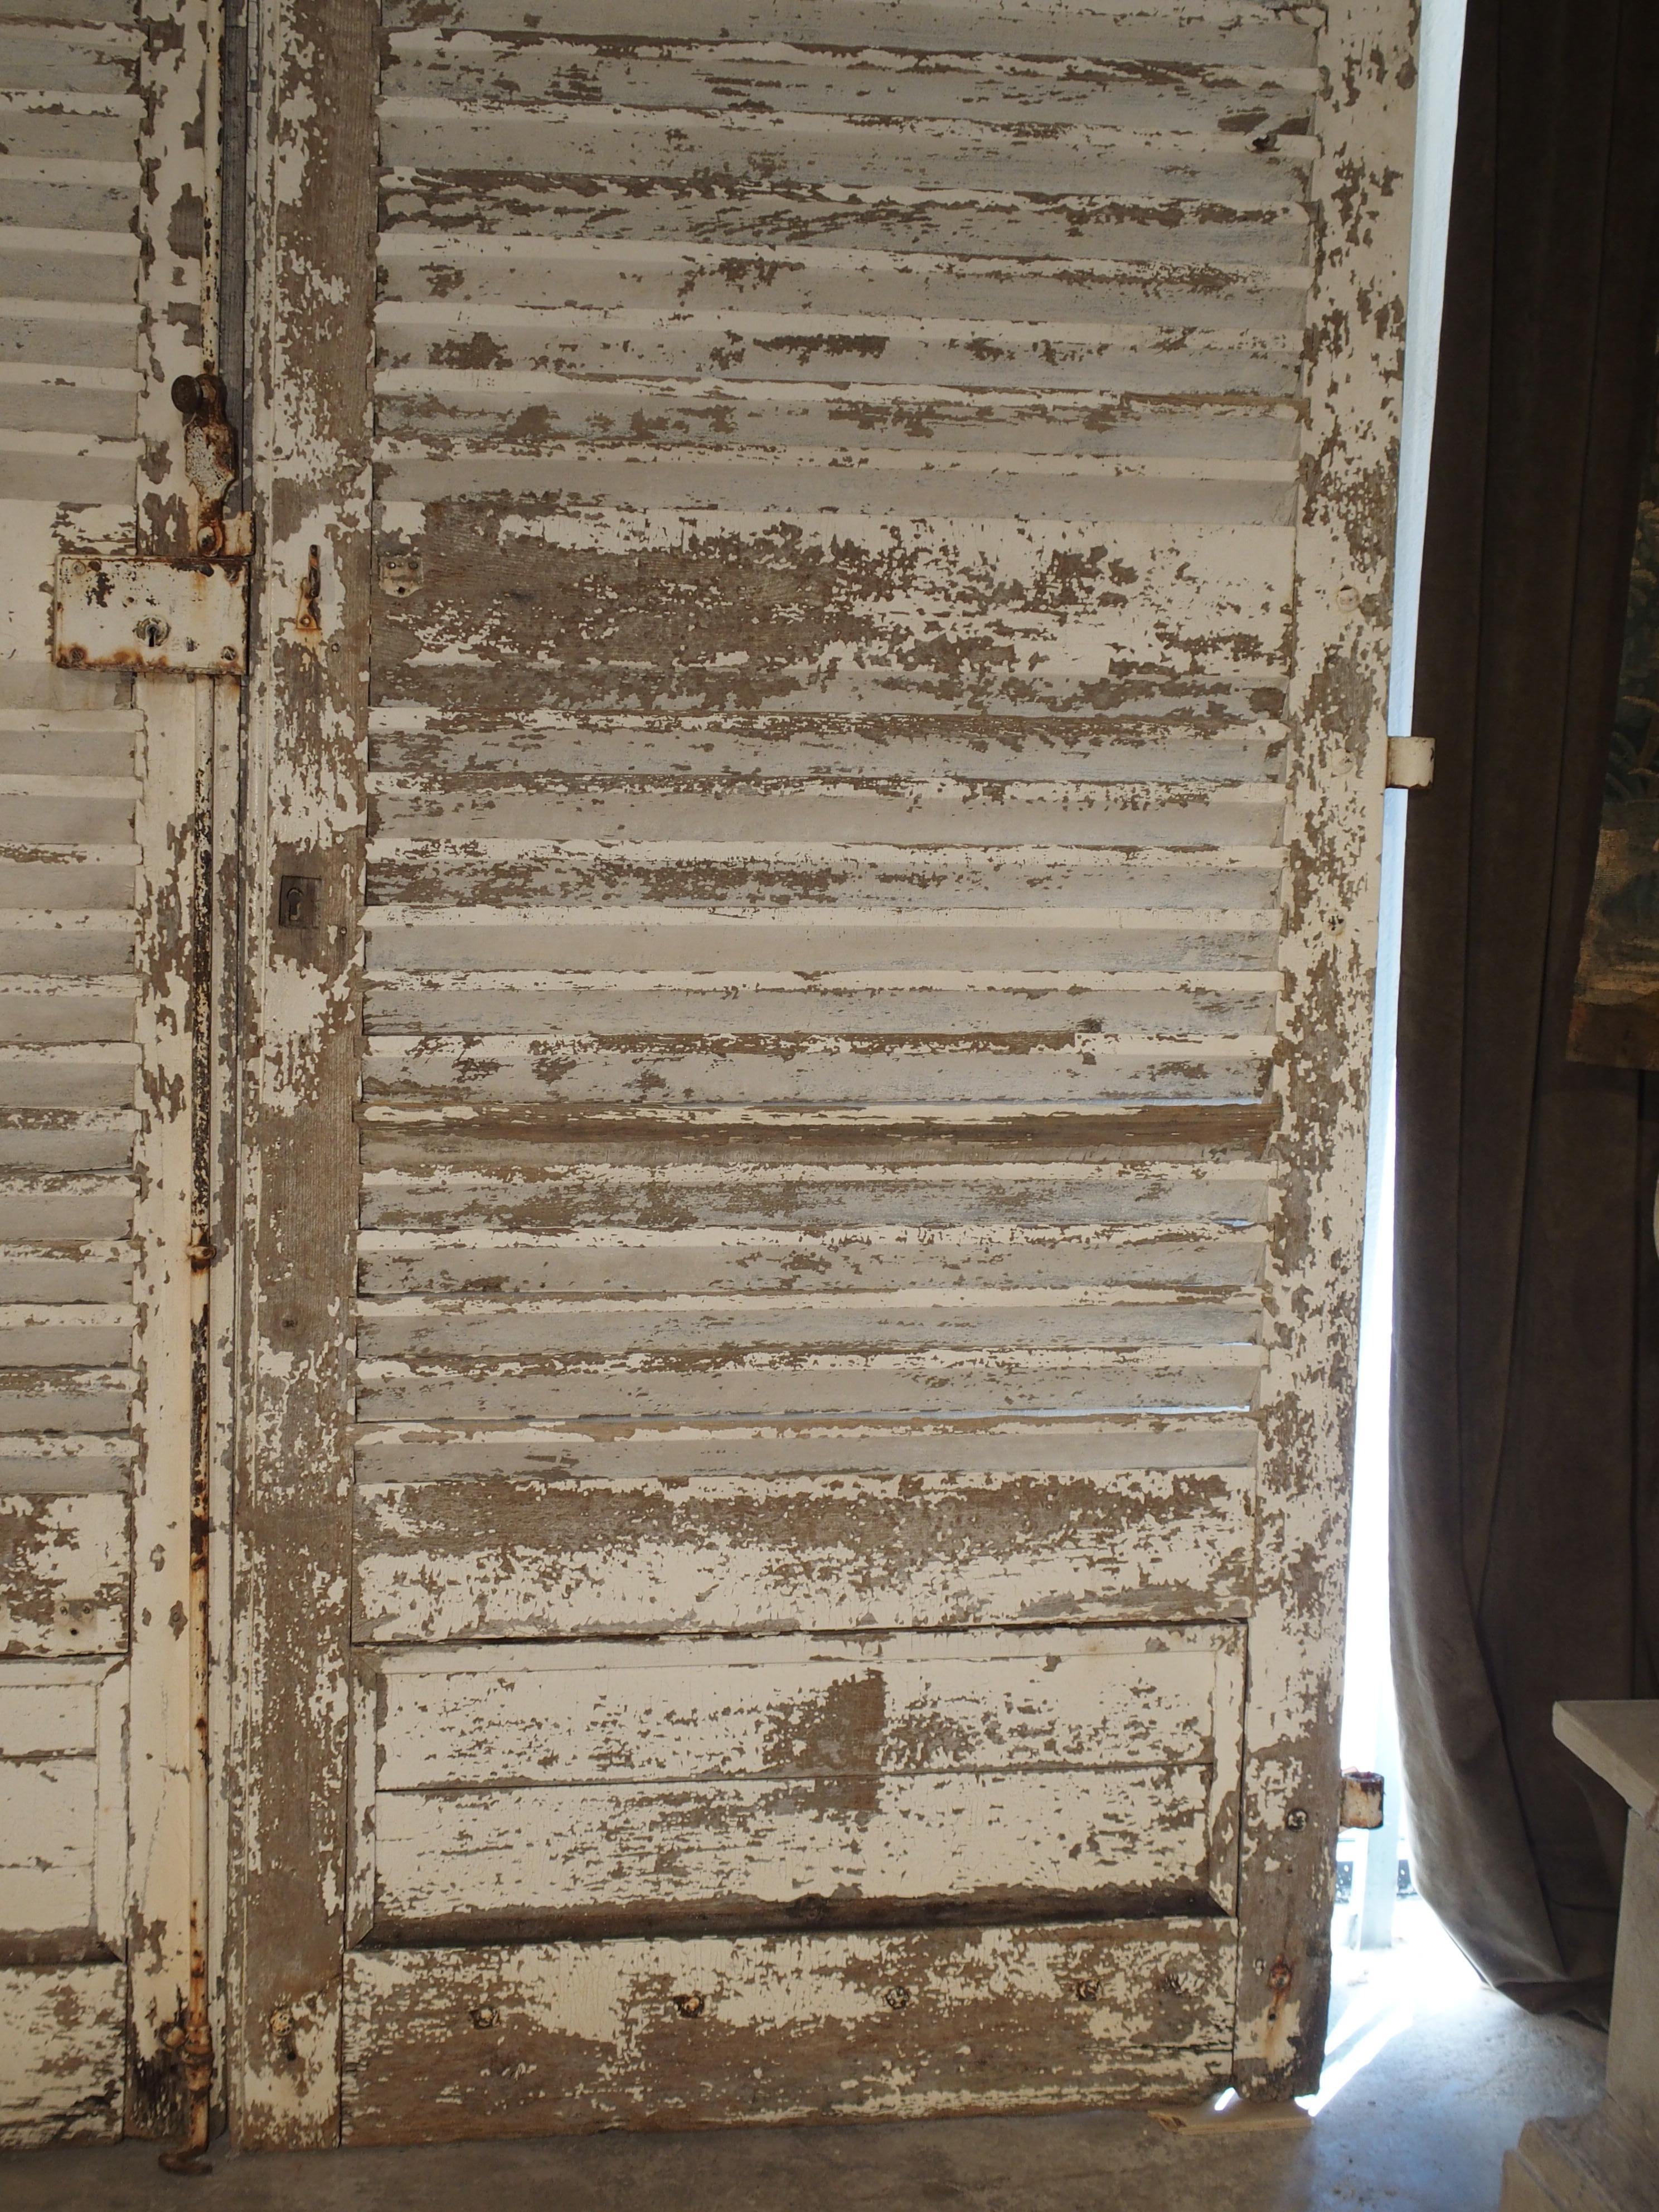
<point>104,178</point>
<point>811,1024</point>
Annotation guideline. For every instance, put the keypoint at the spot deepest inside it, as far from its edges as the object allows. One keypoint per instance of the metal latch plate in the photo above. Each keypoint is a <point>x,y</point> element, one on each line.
<point>162,618</point>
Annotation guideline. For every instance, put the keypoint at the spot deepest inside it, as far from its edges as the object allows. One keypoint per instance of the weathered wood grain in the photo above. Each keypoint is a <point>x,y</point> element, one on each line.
<point>169,1942</point>
<point>698,1327</point>
<point>838,596</point>
<point>62,1846</point>
<point>822,286</point>
<point>46,1210</point>
<point>697,1784</point>
<point>675,1454</point>
<point>891,1530</point>
<point>522,876</point>
<point>485,1181</point>
<point>894,809</point>
<point>562,2038</point>
<point>63,1573</point>
<point>64,1467</point>
<point>46,1861</point>
<point>1249,34</point>
<point>1333,843</point>
<point>312,220</point>
<point>63,2035</point>
<point>72,1401</point>
<point>1163,228</point>
<point>777,77</point>
<point>85,56</point>
<point>765,1383</point>
<point>71,111</point>
<point>462,1865</point>
<point>1215,743</point>
<point>745,148</point>
<point>1060,1067</point>
<point>486,1261</point>
<point>800,1707</point>
<point>70,116</point>
<point>99,1269</point>
<point>620,610</point>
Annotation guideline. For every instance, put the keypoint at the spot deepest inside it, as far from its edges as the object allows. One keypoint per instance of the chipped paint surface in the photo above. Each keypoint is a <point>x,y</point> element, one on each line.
<point>72,228</point>
<point>312,223</point>
<point>168,1939</point>
<point>870,773</point>
<point>533,2039</point>
<point>802,1780</point>
<point>63,1900</point>
<point>1335,772</point>
<point>63,1854</point>
<point>63,2055</point>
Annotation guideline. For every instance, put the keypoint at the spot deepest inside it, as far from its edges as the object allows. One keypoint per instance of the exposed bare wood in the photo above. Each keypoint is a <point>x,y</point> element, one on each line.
<point>70,116</point>
<point>64,1571</point>
<point>539,2040</point>
<point>179,171</point>
<point>312,168</point>
<point>480,1555</point>
<point>62,2053</point>
<point>63,1852</point>
<point>1336,769</point>
<point>699,1784</point>
<point>860,1071</point>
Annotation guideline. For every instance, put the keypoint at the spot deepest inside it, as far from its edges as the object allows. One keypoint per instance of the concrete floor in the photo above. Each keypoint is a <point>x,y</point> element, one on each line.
<point>1428,2080</point>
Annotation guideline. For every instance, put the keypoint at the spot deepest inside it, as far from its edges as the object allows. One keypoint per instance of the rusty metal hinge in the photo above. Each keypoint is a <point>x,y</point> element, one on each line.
<point>158,616</point>
<point>1410,764</point>
<point>1362,1800</point>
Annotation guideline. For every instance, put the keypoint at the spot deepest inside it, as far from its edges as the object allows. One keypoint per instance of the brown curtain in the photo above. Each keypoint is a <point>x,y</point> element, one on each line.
<point>1525,1543</point>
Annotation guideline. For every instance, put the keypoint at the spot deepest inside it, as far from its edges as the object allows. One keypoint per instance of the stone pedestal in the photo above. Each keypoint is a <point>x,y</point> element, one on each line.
<point>1609,2160</point>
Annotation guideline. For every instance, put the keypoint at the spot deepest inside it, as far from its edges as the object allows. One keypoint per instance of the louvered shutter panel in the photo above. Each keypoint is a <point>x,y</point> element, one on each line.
<point>101,197</point>
<point>873,770</point>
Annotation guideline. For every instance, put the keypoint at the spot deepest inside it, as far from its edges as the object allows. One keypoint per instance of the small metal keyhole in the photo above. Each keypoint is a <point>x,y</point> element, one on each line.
<point>152,631</point>
<point>298,899</point>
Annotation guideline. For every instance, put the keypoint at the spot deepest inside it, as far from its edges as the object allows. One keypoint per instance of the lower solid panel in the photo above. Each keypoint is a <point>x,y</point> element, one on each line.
<point>61,2054</point>
<point>565,2038</point>
<point>63,1573</point>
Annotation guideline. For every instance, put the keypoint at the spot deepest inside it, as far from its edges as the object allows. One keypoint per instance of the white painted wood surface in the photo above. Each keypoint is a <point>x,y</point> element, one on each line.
<point>168,1868</point>
<point>862,1071</point>
<point>558,1786</point>
<point>871,789</point>
<point>101,300</point>
<point>63,1779</point>
<point>548,2039</point>
<point>871,774</point>
<point>70,121</point>
<point>62,2054</point>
